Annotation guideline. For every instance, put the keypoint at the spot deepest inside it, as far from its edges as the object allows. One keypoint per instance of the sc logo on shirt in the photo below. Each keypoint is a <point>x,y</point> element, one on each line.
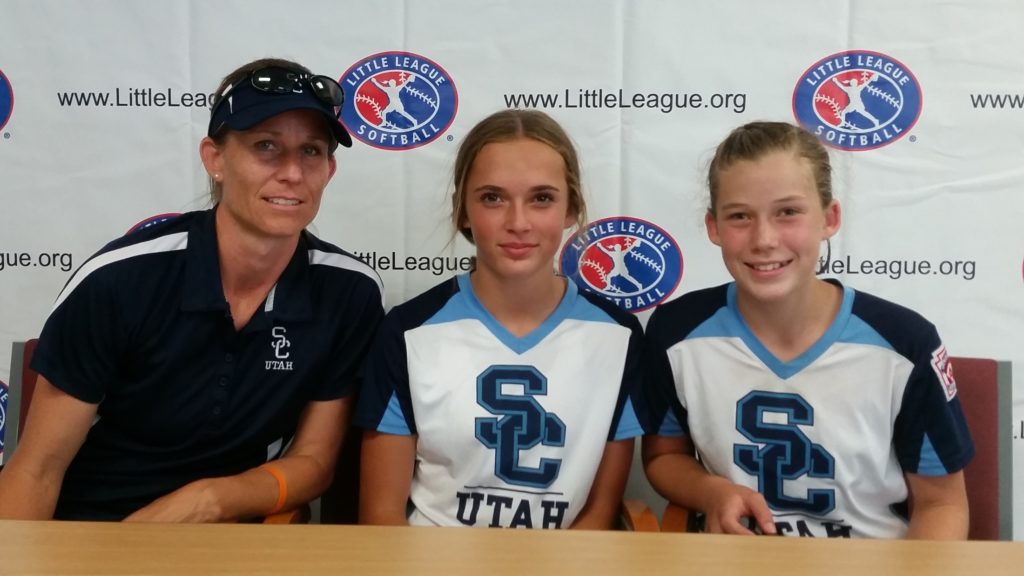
<point>780,451</point>
<point>523,424</point>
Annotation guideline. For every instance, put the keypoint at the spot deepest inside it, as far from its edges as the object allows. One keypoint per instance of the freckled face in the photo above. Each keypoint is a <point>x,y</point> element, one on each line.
<point>769,224</point>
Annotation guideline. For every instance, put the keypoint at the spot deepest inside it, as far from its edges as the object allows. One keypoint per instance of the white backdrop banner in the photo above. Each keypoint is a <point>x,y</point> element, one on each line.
<point>103,104</point>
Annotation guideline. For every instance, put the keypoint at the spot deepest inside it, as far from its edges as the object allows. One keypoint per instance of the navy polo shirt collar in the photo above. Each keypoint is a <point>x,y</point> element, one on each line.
<point>289,299</point>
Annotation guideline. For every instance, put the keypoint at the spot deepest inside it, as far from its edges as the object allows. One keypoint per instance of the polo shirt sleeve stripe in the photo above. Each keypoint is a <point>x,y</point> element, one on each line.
<point>319,257</point>
<point>171,242</point>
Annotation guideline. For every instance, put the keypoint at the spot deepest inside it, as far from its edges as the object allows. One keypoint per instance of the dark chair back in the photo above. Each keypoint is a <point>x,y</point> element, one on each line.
<point>984,389</point>
<point>23,384</point>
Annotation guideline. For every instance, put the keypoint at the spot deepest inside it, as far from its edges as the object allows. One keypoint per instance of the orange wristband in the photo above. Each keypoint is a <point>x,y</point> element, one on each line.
<point>282,487</point>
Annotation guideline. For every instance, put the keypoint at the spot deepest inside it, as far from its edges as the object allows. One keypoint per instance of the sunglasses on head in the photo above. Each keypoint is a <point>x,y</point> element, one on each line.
<point>277,80</point>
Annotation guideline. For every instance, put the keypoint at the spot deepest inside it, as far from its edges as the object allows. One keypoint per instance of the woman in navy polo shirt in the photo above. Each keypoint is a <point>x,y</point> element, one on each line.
<point>199,370</point>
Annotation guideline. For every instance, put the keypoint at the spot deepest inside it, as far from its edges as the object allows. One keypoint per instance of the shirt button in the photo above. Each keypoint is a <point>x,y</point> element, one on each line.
<point>228,357</point>
<point>216,410</point>
<point>223,381</point>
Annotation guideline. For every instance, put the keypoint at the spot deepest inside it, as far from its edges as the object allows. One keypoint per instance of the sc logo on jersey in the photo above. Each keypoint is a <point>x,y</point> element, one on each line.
<point>523,424</point>
<point>857,100</point>
<point>6,100</point>
<point>398,100</point>
<point>781,451</point>
<point>629,261</point>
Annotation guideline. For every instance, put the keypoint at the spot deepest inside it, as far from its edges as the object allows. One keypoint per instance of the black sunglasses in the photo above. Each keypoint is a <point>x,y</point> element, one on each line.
<point>277,80</point>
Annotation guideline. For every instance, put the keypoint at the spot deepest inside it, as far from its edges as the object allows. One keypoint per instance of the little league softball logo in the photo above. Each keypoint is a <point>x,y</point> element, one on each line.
<point>398,100</point>
<point>629,261</point>
<point>6,100</point>
<point>857,100</point>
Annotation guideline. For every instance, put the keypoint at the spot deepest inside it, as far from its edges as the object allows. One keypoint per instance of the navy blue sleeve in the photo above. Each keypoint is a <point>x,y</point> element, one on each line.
<point>355,322</point>
<point>384,402</point>
<point>84,337</point>
<point>626,421</point>
<point>930,434</point>
<point>670,324</point>
<point>663,414</point>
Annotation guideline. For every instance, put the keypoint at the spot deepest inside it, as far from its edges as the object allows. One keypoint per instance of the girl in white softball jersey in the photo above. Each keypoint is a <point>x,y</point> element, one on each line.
<point>503,397</point>
<point>801,404</point>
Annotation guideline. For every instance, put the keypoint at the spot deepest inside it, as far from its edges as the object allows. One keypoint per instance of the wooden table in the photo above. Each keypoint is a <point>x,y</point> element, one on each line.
<point>101,548</point>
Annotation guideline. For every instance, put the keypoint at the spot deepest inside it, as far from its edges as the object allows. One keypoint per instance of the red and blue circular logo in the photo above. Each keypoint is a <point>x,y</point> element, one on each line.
<point>6,100</point>
<point>857,100</point>
<point>629,261</point>
<point>398,100</point>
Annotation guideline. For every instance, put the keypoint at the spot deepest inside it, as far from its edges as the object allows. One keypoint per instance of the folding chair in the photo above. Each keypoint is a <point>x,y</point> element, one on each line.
<point>984,389</point>
<point>23,384</point>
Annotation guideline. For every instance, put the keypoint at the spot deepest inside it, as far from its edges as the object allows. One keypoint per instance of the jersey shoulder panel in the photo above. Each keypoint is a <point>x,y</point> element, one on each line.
<point>930,433</point>
<point>385,402</point>
<point>613,312</point>
<point>426,306</point>
<point>904,330</point>
<point>675,321</point>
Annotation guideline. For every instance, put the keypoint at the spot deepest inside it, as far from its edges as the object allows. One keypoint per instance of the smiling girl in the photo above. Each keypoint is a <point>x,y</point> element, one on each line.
<point>502,397</point>
<point>812,408</point>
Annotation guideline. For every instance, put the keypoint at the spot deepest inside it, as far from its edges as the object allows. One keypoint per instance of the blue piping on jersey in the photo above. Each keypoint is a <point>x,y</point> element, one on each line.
<point>393,420</point>
<point>787,369</point>
<point>860,332</point>
<point>670,426</point>
<point>629,425</point>
<point>729,323</point>
<point>929,463</point>
<point>466,306</point>
<point>584,311</point>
